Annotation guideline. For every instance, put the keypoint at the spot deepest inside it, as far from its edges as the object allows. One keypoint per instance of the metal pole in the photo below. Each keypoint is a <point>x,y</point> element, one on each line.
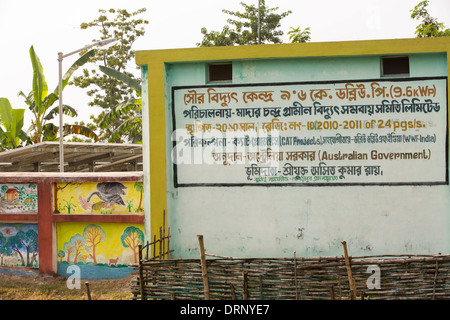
<point>61,147</point>
<point>102,43</point>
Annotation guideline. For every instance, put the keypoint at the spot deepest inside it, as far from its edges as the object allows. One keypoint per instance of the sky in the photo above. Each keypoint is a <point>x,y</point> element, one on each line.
<point>53,26</point>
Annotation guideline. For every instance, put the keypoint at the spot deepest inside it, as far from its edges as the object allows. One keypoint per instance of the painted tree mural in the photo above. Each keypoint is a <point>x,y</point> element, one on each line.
<point>5,249</point>
<point>78,243</point>
<point>93,235</point>
<point>30,242</point>
<point>138,186</point>
<point>68,248</point>
<point>61,255</point>
<point>131,238</point>
<point>18,244</point>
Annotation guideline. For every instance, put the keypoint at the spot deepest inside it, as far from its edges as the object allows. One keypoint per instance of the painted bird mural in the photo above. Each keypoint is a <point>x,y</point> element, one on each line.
<point>109,192</point>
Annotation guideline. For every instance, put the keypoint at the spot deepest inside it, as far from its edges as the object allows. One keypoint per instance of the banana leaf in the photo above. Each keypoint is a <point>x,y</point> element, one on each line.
<point>40,88</point>
<point>132,83</point>
<point>12,122</point>
<point>81,61</point>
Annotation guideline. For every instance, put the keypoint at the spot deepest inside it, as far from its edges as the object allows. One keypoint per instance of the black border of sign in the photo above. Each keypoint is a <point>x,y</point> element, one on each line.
<point>430,183</point>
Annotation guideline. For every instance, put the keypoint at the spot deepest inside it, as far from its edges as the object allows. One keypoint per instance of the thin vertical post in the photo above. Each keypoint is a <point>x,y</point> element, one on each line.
<point>154,246</point>
<point>61,146</point>
<point>141,273</point>
<point>351,281</point>
<point>160,243</point>
<point>203,264</point>
<point>295,276</point>
<point>245,284</point>
<point>88,291</point>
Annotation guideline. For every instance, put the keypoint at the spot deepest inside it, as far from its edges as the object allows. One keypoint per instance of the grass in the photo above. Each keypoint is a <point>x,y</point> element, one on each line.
<point>45,287</point>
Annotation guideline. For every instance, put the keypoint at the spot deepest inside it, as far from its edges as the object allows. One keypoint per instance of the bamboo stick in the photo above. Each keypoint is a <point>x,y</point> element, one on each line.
<point>141,273</point>
<point>245,284</point>
<point>351,281</point>
<point>203,265</point>
<point>295,276</point>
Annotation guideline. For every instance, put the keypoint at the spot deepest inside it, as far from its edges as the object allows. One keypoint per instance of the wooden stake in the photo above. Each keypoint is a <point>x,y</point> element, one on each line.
<point>88,291</point>
<point>435,278</point>
<point>203,263</point>
<point>245,284</point>
<point>141,273</point>
<point>351,281</point>
<point>295,276</point>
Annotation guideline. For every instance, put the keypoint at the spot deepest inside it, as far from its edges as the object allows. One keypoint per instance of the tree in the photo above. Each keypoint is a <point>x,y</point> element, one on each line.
<point>4,247</point>
<point>429,27</point>
<point>40,102</point>
<point>108,92</point>
<point>244,30</point>
<point>139,186</point>
<point>68,248</point>
<point>299,36</point>
<point>78,243</point>
<point>131,238</point>
<point>12,135</point>
<point>93,235</point>
<point>30,242</point>
<point>131,126</point>
<point>61,255</point>
<point>16,245</point>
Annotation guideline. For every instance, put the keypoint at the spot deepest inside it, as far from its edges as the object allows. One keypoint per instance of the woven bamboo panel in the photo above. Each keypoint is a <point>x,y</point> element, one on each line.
<point>401,277</point>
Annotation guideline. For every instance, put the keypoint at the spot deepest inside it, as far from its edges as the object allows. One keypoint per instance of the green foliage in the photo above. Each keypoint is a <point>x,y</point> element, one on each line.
<point>109,92</point>
<point>299,36</point>
<point>429,27</point>
<point>11,135</point>
<point>40,102</point>
<point>129,111</point>
<point>243,29</point>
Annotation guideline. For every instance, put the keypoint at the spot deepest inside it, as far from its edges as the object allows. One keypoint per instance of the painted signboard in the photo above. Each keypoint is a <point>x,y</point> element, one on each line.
<point>99,198</point>
<point>19,245</point>
<point>370,132</point>
<point>101,250</point>
<point>18,198</point>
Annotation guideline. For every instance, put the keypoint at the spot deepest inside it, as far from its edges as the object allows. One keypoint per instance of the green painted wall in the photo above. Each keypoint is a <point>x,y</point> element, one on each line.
<point>278,220</point>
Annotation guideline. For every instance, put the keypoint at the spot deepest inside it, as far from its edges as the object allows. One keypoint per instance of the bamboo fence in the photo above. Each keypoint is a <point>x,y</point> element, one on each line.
<point>313,278</point>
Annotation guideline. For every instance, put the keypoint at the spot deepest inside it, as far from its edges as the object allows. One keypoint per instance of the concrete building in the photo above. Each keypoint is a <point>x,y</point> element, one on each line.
<point>266,150</point>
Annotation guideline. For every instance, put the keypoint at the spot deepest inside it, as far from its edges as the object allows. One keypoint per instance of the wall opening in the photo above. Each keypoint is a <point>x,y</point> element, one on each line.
<point>220,72</point>
<point>395,66</point>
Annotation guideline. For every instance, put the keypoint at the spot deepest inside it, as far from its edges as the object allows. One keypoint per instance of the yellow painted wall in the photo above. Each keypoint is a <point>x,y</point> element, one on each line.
<point>86,198</point>
<point>110,245</point>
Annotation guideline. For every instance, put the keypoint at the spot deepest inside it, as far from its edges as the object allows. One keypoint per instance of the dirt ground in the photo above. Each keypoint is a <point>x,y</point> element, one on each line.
<point>32,286</point>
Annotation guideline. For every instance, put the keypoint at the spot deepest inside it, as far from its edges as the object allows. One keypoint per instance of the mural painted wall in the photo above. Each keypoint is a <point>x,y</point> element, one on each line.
<point>19,245</point>
<point>99,198</point>
<point>18,198</point>
<point>100,250</point>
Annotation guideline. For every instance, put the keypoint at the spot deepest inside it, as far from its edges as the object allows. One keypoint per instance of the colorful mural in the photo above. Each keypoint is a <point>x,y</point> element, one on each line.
<point>103,250</point>
<point>99,198</point>
<point>19,245</point>
<point>18,198</point>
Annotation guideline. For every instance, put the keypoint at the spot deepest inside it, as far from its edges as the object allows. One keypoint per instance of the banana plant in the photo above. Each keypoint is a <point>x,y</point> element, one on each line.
<point>11,135</point>
<point>132,109</point>
<point>41,102</point>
